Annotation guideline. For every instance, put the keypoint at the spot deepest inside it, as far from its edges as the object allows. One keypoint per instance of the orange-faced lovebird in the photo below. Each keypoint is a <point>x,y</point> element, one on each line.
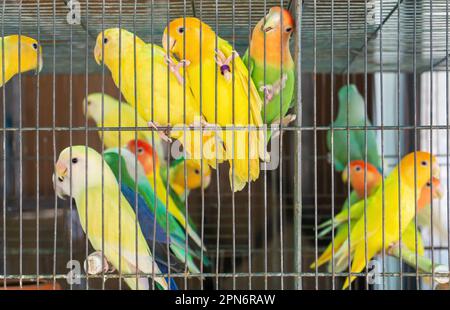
<point>271,65</point>
<point>358,173</point>
<point>385,204</point>
<point>150,162</point>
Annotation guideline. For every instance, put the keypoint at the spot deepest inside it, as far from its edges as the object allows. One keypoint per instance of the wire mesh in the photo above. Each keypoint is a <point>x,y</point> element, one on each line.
<point>266,236</point>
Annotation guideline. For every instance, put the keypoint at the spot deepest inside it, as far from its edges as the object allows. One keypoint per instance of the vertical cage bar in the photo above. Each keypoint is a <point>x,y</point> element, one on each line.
<point>298,206</point>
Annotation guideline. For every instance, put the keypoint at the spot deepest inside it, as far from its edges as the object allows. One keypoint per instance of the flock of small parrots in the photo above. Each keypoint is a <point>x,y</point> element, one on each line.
<point>132,207</point>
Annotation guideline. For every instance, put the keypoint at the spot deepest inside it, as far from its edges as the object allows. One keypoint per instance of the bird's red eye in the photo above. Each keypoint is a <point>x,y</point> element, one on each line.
<point>140,150</point>
<point>289,29</point>
<point>358,168</point>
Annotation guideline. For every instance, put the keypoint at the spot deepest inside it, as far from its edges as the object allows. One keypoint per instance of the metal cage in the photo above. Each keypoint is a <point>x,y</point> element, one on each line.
<point>265,236</point>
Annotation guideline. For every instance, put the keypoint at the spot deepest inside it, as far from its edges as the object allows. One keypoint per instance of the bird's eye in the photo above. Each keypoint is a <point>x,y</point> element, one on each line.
<point>140,150</point>
<point>35,46</point>
<point>60,179</point>
<point>180,30</point>
<point>105,40</point>
<point>74,160</point>
<point>357,168</point>
<point>289,29</point>
<point>197,171</point>
<point>424,163</point>
<point>428,184</point>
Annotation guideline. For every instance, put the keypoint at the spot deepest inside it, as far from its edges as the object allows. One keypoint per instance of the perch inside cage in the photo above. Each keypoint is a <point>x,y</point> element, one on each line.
<point>224,144</point>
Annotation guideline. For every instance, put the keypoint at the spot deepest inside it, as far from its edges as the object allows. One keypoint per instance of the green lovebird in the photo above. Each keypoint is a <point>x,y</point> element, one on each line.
<point>351,103</point>
<point>273,71</point>
<point>176,232</point>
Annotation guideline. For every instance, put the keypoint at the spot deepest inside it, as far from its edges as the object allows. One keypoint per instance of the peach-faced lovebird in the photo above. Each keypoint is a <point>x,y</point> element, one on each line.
<point>271,65</point>
<point>9,56</point>
<point>359,173</point>
<point>150,162</point>
<point>237,104</point>
<point>351,104</point>
<point>132,174</point>
<point>78,173</point>
<point>387,198</point>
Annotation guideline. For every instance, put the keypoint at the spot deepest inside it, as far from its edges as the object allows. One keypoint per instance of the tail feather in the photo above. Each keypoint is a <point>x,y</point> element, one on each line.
<point>240,172</point>
<point>180,254</point>
<point>327,255</point>
<point>358,263</point>
<point>142,283</point>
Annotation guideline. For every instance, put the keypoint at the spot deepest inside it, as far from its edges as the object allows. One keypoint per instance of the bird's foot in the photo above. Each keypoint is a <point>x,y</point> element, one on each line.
<point>391,248</point>
<point>272,90</point>
<point>268,92</point>
<point>163,134</point>
<point>175,67</point>
<point>93,264</point>
<point>203,123</point>
<point>285,121</point>
<point>224,63</point>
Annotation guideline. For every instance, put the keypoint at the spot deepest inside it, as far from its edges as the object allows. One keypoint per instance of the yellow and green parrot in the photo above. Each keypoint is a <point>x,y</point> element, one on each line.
<point>29,50</point>
<point>271,65</point>
<point>133,175</point>
<point>98,207</point>
<point>351,105</point>
<point>373,179</point>
<point>425,164</point>
<point>163,96</point>
<point>358,173</point>
<point>194,177</point>
<point>97,102</point>
<point>236,103</point>
<point>151,165</point>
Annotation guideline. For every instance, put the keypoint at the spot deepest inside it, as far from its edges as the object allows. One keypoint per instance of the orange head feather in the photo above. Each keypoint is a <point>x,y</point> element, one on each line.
<point>147,157</point>
<point>429,192</point>
<point>277,28</point>
<point>358,177</point>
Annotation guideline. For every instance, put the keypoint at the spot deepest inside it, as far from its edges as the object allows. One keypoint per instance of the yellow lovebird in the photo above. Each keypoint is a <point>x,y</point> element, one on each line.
<point>29,48</point>
<point>163,94</point>
<point>193,175</point>
<point>238,101</point>
<point>425,164</point>
<point>97,102</point>
<point>78,173</point>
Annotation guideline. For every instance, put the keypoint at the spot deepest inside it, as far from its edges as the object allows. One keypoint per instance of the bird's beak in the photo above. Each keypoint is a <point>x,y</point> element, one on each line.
<point>345,175</point>
<point>98,54</point>
<point>438,192</point>
<point>168,45</point>
<point>60,171</point>
<point>272,20</point>
<point>206,181</point>
<point>435,170</point>
<point>41,62</point>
